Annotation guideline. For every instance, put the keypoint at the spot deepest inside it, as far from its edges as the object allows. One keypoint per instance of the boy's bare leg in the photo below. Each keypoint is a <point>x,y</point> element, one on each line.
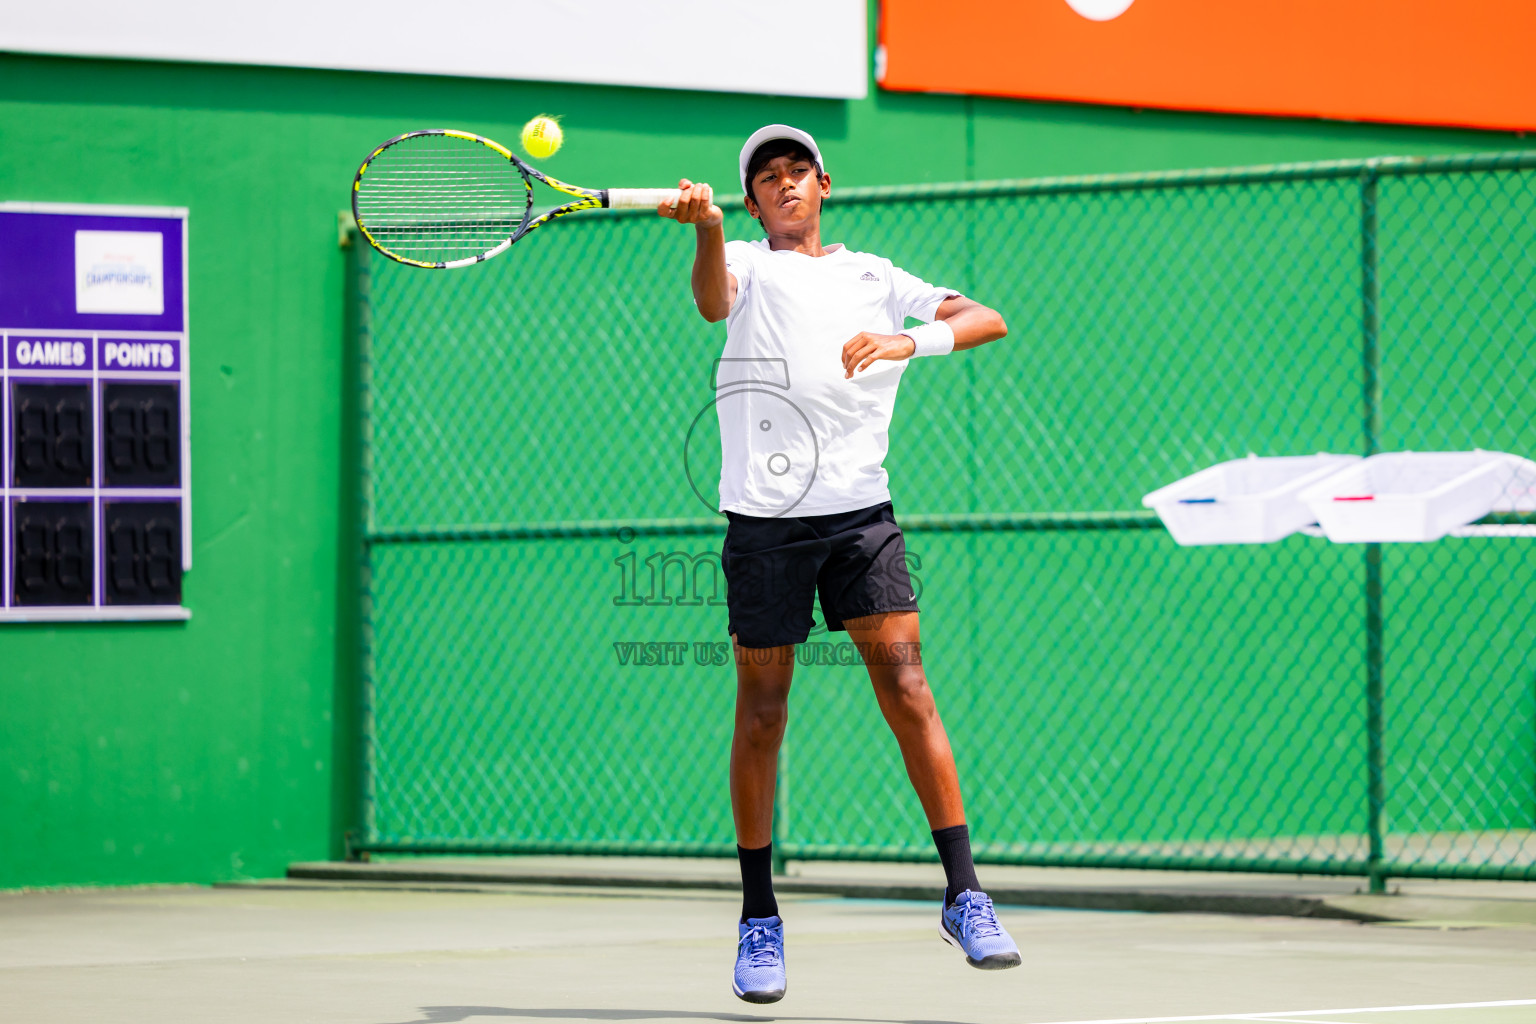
<point>889,644</point>
<point>762,710</point>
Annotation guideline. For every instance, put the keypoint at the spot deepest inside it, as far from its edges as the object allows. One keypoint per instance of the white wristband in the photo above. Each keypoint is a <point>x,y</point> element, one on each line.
<point>935,339</point>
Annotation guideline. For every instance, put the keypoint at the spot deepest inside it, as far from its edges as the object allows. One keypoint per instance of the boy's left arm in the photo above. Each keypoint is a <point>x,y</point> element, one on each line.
<point>971,323</point>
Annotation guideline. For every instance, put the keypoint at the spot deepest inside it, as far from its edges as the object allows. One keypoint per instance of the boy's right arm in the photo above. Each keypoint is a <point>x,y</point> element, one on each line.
<point>714,287</point>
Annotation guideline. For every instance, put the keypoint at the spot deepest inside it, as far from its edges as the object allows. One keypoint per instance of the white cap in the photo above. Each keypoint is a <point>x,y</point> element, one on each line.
<point>776,131</point>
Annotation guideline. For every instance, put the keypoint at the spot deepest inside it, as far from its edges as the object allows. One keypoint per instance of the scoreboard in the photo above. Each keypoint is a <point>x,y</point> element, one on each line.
<point>94,470</point>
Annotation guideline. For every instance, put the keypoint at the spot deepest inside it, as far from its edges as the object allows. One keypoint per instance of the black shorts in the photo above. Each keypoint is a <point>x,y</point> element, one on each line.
<point>774,568</point>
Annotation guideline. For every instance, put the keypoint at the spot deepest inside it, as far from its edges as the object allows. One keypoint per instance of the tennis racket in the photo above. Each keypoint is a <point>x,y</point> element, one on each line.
<point>442,199</point>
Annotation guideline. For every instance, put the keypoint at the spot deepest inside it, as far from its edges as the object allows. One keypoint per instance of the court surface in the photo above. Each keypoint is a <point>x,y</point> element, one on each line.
<point>389,956</point>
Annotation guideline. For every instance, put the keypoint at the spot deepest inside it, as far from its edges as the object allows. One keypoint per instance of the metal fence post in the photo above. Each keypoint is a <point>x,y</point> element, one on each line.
<point>356,574</point>
<point>1371,424</point>
<point>780,809</point>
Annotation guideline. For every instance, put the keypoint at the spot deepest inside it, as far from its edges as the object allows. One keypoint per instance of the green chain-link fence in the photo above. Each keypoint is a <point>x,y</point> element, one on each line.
<point>545,660</point>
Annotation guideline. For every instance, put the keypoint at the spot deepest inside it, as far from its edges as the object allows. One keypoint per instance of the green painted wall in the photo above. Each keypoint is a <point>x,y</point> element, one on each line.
<point>210,750</point>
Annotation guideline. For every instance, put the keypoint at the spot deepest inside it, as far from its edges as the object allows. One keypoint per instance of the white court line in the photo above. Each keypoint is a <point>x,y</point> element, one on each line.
<point>1311,1015</point>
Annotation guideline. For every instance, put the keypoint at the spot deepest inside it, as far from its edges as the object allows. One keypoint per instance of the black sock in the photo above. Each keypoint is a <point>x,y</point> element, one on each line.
<point>757,882</point>
<point>954,845</point>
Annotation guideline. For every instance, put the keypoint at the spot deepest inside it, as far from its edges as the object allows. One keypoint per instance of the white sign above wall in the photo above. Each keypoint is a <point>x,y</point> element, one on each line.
<point>715,45</point>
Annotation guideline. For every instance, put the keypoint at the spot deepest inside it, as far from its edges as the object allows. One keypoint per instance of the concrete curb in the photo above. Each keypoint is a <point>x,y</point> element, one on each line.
<point>1156,901</point>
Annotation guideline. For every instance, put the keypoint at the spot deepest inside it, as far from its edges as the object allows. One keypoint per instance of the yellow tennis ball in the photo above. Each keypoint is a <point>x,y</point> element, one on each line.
<point>541,137</point>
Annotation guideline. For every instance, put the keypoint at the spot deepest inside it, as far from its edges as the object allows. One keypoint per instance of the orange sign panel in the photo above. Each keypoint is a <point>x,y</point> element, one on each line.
<point>1446,62</point>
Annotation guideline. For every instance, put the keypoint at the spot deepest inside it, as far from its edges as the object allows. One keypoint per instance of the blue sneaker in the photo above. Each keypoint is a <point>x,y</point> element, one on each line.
<point>970,925</point>
<point>760,960</point>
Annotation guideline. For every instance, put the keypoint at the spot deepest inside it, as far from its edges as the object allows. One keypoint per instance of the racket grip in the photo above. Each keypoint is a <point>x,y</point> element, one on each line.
<point>641,198</point>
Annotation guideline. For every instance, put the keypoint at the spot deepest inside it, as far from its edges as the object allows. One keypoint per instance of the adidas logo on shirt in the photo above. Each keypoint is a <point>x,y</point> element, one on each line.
<point>867,276</point>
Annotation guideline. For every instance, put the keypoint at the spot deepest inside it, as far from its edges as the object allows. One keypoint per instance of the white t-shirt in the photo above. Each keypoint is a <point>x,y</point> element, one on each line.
<point>797,438</point>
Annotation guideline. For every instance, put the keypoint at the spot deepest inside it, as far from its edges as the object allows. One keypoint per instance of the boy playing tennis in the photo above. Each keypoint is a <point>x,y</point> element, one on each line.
<point>824,326</point>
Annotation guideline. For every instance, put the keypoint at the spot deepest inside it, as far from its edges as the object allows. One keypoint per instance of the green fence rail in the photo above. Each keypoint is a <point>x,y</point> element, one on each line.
<point>544,657</point>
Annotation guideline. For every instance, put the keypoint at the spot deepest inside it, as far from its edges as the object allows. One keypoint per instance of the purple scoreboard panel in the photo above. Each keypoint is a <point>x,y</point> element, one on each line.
<point>97,510</point>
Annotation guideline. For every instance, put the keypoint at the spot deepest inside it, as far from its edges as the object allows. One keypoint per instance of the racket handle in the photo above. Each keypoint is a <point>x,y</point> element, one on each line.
<point>641,198</point>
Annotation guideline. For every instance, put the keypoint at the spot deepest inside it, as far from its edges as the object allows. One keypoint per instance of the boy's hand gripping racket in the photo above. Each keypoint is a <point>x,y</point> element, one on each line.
<point>443,198</point>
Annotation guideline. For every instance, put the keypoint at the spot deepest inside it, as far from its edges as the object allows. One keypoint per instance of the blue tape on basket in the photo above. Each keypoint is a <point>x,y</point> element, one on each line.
<point>1197,501</point>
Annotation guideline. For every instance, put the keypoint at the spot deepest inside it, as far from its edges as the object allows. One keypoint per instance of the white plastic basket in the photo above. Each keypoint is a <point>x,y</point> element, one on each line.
<point>1419,496</point>
<point>1244,501</point>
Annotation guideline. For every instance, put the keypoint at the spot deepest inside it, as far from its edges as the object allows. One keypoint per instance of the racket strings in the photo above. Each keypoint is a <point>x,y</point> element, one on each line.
<point>439,198</point>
